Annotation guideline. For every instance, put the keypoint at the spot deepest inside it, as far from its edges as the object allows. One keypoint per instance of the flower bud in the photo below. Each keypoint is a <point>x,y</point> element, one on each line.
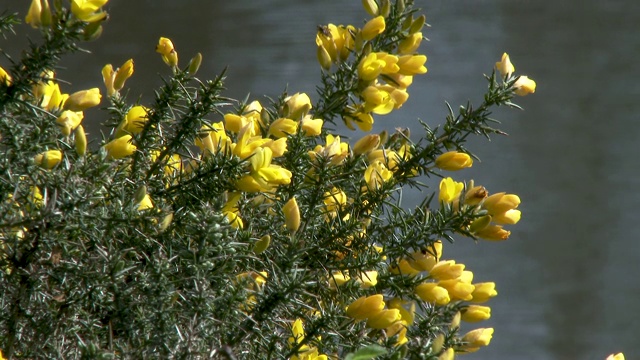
<point>291,215</point>
<point>283,127</point>
<point>500,203</point>
<point>494,233</point>
<point>166,221</point>
<point>448,354</point>
<point>92,30</point>
<point>140,194</point>
<point>261,245</point>
<point>82,100</point>
<point>296,106</point>
<point>365,307</point>
<point>194,64</point>
<point>446,270</point>
<point>477,338</point>
<point>168,52</point>
<point>479,224</point>
<point>453,161</point>
<point>108,76</point>
<point>504,66</point>
<point>449,190</point>
<point>458,290</point>
<point>373,28</point>
<point>437,343</point>
<point>33,15</point>
<point>385,8</point>
<point>366,144</point>
<point>370,6</point>
<point>80,141</point>
<point>324,58</point>
<point>524,86</point>
<point>311,126</point>
<point>48,159</point>
<point>475,195</point>
<point>412,64</point>
<point>69,121</point>
<point>45,15</point>
<point>417,24</point>
<point>410,44</point>
<point>476,313</point>
<point>509,217</point>
<point>432,293</point>
<point>120,147</point>
<point>122,74</point>
<point>483,292</point>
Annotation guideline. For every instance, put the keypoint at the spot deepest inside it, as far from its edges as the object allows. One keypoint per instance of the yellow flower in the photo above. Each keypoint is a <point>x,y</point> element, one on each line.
<point>446,270</point>
<point>412,64</point>
<point>432,293</point>
<point>230,210</point>
<point>524,86</point>
<point>263,173</point>
<point>424,260</point>
<point>477,338</point>
<point>88,10</point>
<point>310,126</point>
<point>373,28</point>
<point>449,190</point>
<point>136,118</point>
<point>366,144</point>
<point>333,201</point>
<point>48,159</point>
<point>283,127</point>
<point>508,217</point>
<point>80,141</point>
<point>120,147</point>
<point>82,100</point>
<point>377,174</point>
<point>168,52</point>
<point>448,354</point>
<point>476,313</point>
<point>145,203</point>
<point>453,160</point>
<point>296,106</point>
<point>122,74</point>
<point>383,319</point>
<point>365,307</point>
<point>334,150</point>
<point>291,215</point>
<point>376,63</point>
<point>34,13</point>
<point>504,66</point>
<point>368,279</point>
<point>69,121</point>
<point>500,203</point>
<point>483,292</point>
<point>363,120</point>
<point>5,77</point>
<point>410,44</point>
<point>457,289</point>
<point>475,195</point>
<point>493,232</point>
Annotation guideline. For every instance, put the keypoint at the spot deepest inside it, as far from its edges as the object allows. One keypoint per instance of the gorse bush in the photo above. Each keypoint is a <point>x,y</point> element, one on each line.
<point>203,226</point>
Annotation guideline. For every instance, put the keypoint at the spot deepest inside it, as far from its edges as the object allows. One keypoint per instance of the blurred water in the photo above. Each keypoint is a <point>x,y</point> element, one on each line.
<point>568,277</point>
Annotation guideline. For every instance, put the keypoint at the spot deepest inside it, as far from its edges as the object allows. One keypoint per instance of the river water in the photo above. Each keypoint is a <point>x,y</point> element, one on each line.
<point>568,276</point>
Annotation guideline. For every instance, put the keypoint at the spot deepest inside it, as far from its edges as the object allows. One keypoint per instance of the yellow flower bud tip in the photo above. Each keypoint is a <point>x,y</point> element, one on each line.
<point>370,6</point>
<point>432,293</point>
<point>504,66</point>
<point>500,203</point>
<point>524,86</point>
<point>82,100</point>
<point>166,221</point>
<point>291,215</point>
<point>373,28</point>
<point>48,159</point>
<point>145,203</point>
<point>88,10</point>
<point>453,161</point>
<point>448,354</point>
